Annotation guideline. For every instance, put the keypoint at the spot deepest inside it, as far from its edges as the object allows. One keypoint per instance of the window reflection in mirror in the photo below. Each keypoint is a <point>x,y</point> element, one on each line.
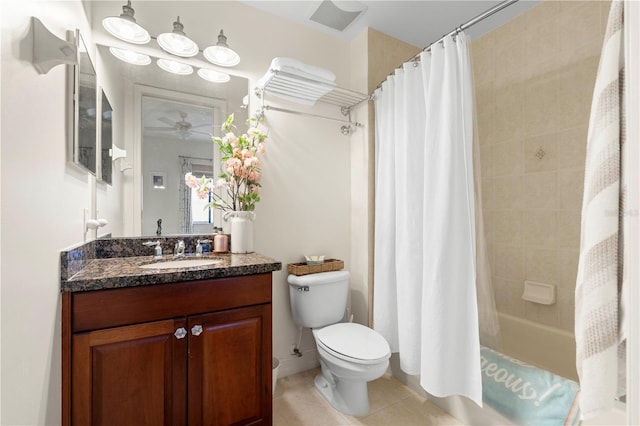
<point>86,107</point>
<point>176,140</point>
<point>106,139</point>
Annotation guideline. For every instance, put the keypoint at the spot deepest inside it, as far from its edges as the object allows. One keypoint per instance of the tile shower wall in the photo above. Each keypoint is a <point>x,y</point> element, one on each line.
<point>534,80</point>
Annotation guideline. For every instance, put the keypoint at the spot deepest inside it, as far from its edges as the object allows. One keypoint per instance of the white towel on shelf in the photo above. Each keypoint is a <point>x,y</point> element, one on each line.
<point>599,287</point>
<point>297,82</point>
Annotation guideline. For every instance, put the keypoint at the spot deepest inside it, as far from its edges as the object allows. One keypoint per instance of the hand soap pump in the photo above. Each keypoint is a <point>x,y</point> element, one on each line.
<point>220,241</point>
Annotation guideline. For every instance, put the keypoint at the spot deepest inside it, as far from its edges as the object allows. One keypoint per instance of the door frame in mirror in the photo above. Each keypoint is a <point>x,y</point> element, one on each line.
<point>133,217</point>
<point>105,165</point>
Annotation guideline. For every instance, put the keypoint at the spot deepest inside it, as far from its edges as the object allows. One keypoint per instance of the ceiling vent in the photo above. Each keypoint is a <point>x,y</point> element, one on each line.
<point>338,14</point>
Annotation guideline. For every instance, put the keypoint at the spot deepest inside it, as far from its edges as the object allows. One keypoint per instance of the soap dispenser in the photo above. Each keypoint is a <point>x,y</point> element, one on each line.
<point>220,241</point>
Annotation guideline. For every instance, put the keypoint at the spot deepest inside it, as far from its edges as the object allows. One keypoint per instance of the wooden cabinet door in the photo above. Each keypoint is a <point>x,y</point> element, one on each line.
<point>230,367</point>
<point>132,375</point>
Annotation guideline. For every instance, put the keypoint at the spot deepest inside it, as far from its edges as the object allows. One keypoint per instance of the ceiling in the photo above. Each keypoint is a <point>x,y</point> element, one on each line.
<point>417,22</point>
<point>162,119</point>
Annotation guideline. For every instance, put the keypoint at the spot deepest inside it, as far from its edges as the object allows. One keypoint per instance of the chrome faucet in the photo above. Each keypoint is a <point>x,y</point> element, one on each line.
<point>179,249</point>
<point>157,250</point>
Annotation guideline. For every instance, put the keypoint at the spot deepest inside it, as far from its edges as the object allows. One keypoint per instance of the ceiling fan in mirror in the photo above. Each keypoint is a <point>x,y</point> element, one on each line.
<point>182,127</point>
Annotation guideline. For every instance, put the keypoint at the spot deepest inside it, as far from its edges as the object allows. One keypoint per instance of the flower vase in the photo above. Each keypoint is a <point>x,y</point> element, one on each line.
<point>241,225</point>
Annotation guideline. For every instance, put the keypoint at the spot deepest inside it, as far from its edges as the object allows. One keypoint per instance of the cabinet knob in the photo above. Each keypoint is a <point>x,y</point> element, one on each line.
<point>196,330</point>
<point>180,333</point>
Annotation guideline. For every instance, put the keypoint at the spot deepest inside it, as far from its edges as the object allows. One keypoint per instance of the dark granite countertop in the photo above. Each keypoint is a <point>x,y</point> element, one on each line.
<point>82,271</point>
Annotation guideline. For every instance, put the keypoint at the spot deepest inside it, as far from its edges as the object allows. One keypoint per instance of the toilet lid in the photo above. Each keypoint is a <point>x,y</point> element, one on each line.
<point>354,341</point>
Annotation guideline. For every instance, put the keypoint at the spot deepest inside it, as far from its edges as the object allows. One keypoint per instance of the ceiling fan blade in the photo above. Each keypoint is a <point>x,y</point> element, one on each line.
<point>165,120</point>
<point>202,125</point>
<point>201,133</point>
<point>159,128</point>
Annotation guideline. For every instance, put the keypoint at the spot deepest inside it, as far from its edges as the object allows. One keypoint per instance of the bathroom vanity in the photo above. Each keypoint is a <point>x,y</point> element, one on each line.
<point>171,346</point>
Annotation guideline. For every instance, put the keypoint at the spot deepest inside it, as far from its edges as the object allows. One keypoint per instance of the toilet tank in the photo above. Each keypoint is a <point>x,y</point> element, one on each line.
<point>320,299</point>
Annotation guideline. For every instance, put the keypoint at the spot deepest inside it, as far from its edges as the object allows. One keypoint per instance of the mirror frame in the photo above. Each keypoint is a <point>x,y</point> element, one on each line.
<point>106,165</point>
<point>73,105</point>
<point>133,218</point>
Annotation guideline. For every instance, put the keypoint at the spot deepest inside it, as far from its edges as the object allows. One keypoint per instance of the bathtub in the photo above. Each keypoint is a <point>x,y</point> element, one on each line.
<point>545,347</point>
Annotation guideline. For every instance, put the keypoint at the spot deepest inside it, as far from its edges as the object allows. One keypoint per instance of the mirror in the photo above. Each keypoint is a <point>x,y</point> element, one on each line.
<point>84,108</point>
<point>176,139</point>
<point>166,116</point>
<point>106,139</point>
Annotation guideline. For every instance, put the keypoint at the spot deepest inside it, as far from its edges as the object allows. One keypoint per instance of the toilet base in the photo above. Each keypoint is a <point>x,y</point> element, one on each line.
<point>347,397</point>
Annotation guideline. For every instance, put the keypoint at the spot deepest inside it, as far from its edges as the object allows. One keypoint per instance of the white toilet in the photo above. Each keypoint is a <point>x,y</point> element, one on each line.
<point>350,354</point>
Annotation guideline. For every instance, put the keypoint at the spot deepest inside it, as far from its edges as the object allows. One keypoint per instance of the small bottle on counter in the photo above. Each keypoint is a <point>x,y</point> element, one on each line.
<point>220,241</point>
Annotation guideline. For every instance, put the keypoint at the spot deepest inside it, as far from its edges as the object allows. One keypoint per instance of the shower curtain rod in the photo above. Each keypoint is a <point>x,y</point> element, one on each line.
<point>484,15</point>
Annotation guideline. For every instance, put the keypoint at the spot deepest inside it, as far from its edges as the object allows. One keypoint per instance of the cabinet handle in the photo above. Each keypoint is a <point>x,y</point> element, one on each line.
<point>180,333</point>
<point>196,330</point>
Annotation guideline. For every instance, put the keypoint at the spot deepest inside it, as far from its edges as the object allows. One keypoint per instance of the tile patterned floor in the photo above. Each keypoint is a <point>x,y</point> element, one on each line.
<point>296,402</point>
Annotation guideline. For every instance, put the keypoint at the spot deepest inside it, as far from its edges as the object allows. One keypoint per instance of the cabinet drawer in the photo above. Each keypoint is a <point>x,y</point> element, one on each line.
<point>100,309</point>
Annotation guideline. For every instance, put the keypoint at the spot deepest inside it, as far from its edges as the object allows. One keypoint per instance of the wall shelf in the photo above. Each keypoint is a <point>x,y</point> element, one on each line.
<point>306,91</point>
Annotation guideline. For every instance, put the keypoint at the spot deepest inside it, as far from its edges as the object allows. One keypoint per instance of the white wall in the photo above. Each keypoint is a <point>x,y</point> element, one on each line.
<point>41,210</point>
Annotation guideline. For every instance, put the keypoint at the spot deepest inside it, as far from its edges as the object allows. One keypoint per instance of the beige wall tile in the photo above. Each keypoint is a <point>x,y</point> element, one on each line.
<point>540,190</point>
<point>580,21</point>
<point>541,265</point>
<point>507,158</point>
<point>487,194</point>
<point>491,253</point>
<point>507,193</point>
<point>509,60</point>
<point>486,160</point>
<point>509,48</point>
<point>566,308</point>
<point>508,260</point>
<point>482,59</point>
<point>569,229</point>
<point>542,39</point>
<point>542,314</point>
<point>487,222</point>
<point>507,227</point>
<point>508,112</point>
<point>568,268</point>
<point>541,105</point>
<point>544,65</point>
<point>485,125</point>
<point>572,147</point>
<point>484,95</point>
<point>508,294</point>
<point>570,189</point>
<point>547,160</point>
<point>578,55</point>
<point>575,93</point>
<point>539,228</point>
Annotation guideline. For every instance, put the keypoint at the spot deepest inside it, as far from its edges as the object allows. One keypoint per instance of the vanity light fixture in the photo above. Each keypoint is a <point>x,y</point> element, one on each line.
<point>130,56</point>
<point>175,67</point>
<point>125,27</point>
<point>213,76</point>
<point>177,43</point>
<point>221,54</point>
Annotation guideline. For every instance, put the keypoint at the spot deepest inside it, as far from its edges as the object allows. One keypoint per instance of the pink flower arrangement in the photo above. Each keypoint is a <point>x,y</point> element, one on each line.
<point>241,173</point>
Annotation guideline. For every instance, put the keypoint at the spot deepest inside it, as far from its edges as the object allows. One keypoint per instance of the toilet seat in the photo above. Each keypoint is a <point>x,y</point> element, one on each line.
<point>353,342</point>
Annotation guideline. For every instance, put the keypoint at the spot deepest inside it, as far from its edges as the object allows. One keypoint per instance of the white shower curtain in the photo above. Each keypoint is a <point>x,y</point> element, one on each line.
<point>425,274</point>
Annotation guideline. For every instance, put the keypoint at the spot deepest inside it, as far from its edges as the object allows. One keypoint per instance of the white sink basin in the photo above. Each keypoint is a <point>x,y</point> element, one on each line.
<point>183,263</point>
